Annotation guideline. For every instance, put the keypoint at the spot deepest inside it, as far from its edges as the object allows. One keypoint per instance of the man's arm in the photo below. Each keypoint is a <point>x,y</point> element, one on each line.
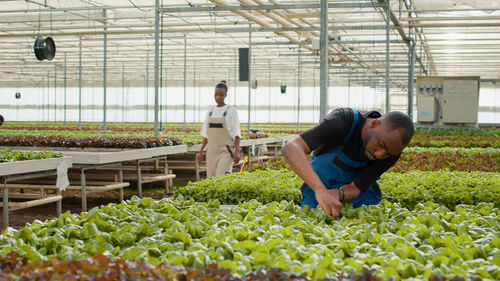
<point>295,153</point>
<point>373,171</point>
<point>367,177</point>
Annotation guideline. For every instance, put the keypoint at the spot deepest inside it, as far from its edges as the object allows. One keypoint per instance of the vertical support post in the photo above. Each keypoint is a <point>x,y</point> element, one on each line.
<point>55,93</point>
<point>185,78</point>
<point>269,88</point>
<point>166,94</point>
<point>65,76</point>
<point>387,55</point>
<point>80,83</point>
<point>146,101</point>
<point>235,75</point>
<point>93,100</point>
<point>160,69</point>
<point>84,191</point>
<point>199,107</point>
<point>105,41</point>
<point>157,66</point>
<point>323,45</point>
<point>411,78</point>
<point>123,91</point>
<point>411,65</point>
<point>299,69</point>
<point>194,90</point>
<point>314,92</point>
<point>48,96</point>
<point>163,92</point>
<point>349,91</point>
<point>249,73</point>
<point>43,98</point>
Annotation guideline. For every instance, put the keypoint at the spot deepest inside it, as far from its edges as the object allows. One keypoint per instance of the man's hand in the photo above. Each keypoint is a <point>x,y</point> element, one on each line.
<point>329,201</point>
<point>199,157</point>
<point>351,191</point>
<point>236,157</point>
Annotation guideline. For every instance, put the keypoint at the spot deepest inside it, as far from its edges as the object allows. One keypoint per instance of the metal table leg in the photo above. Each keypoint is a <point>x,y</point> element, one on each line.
<point>59,204</point>
<point>139,179</point>
<point>167,181</point>
<point>5,204</point>
<point>84,191</point>
<point>120,178</point>
<point>197,168</point>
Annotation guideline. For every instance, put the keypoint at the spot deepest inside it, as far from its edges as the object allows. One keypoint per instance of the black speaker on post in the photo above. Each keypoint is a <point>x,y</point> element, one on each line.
<point>283,89</point>
<point>244,67</point>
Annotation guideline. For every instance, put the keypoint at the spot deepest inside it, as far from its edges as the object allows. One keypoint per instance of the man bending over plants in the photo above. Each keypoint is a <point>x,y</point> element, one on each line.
<point>350,152</point>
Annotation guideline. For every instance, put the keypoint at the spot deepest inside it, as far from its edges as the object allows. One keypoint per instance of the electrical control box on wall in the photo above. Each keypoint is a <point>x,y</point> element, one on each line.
<point>427,109</point>
<point>447,100</point>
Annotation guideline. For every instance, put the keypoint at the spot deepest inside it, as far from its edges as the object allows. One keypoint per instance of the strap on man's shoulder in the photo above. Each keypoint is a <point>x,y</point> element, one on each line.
<point>355,118</point>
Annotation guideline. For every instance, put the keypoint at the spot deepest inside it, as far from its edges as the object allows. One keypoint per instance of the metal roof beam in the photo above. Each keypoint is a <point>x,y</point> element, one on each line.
<point>266,7</point>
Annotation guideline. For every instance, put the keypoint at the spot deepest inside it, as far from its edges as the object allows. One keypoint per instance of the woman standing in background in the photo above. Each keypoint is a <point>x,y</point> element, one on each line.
<point>221,134</point>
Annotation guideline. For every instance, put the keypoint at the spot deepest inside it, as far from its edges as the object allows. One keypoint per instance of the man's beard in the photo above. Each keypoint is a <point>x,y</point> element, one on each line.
<point>365,143</point>
<point>362,151</point>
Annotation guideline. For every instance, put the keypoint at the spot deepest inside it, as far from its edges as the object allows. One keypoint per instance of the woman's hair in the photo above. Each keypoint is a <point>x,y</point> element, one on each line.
<point>222,84</point>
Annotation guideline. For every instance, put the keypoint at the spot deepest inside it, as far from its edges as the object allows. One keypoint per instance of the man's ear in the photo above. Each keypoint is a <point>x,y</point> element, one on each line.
<point>374,123</point>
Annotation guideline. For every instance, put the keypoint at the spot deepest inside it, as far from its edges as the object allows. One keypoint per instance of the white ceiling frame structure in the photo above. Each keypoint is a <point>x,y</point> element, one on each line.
<point>448,41</point>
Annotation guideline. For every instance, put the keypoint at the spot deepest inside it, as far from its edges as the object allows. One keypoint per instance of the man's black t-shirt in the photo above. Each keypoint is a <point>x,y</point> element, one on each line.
<point>331,133</point>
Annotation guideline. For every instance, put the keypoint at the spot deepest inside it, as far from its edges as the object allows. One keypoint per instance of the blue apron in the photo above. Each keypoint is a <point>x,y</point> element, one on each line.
<point>335,169</point>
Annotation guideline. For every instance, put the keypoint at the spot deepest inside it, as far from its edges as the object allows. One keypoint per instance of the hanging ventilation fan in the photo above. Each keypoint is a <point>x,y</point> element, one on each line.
<point>45,48</point>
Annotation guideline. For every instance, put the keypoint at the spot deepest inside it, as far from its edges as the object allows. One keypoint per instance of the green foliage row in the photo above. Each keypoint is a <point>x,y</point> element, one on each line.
<point>272,164</point>
<point>397,243</point>
<point>186,138</point>
<point>95,142</point>
<point>75,134</point>
<point>105,268</point>
<point>448,158</point>
<point>455,141</point>
<point>8,155</point>
<point>98,125</point>
<point>447,188</point>
<point>262,185</point>
<point>460,150</point>
<point>167,125</point>
<point>425,159</point>
<point>442,187</point>
<point>460,131</point>
<point>267,127</point>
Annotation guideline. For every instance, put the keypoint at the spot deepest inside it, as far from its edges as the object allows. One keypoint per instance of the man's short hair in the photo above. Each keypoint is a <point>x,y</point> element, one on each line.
<point>1,118</point>
<point>401,121</point>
